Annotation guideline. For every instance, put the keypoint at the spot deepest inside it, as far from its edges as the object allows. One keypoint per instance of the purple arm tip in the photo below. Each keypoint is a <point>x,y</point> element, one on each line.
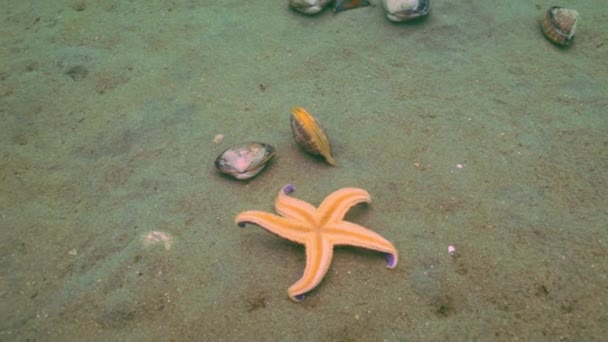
<point>289,188</point>
<point>242,224</point>
<point>390,260</point>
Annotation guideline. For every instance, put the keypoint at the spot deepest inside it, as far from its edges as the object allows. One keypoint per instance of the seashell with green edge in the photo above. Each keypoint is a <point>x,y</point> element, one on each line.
<point>244,161</point>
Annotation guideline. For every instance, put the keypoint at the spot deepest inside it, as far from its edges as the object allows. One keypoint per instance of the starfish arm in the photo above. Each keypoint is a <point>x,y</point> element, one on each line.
<point>319,252</point>
<point>289,229</point>
<point>334,207</point>
<point>348,233</point>
<point>291,207</point>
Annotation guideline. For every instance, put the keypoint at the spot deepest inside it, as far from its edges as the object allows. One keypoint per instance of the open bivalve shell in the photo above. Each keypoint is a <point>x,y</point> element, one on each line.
<point>243,161</point>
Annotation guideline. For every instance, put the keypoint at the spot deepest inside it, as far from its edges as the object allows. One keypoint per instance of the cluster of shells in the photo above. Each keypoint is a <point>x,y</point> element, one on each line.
<point>396,10</point>
<point>558,24</point>
<point>245,160</point>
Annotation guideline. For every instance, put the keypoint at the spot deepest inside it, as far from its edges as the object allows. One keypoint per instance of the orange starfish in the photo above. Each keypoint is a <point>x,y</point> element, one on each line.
<point>319,230</point>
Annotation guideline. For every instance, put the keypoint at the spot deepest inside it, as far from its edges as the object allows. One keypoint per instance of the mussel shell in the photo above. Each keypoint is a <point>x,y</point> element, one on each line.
<point>243,161</point>
<point>559,25</point>
<point>406,10</point>
<point>308,133</point>
<point>308,6</point>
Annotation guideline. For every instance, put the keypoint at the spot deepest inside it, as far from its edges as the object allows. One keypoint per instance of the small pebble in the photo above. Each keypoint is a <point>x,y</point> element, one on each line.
<point>218,139</point>
<point>452,250</point>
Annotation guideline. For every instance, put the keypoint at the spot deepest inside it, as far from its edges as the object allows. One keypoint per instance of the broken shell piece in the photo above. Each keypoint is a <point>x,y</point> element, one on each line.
<point>343,5</point>
<point>218,138</point>
<point>452,250</point>
<point>308,133</point>
<point>405,10</point>
<point>243,161</point>
<point>559,25</point>
<point>316,6</point>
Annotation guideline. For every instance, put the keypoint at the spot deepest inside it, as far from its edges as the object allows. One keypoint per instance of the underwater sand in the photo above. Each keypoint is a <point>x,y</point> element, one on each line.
<point>467,129</point>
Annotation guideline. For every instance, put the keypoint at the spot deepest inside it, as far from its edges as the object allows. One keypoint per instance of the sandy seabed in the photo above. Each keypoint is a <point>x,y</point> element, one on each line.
<point>467,128</point>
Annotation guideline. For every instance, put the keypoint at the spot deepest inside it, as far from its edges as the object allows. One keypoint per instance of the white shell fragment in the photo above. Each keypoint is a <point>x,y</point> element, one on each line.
<point>452,250</point>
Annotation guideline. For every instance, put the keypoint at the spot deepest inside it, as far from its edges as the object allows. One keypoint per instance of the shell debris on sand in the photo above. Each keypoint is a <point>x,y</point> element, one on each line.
<point>218,139</point>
